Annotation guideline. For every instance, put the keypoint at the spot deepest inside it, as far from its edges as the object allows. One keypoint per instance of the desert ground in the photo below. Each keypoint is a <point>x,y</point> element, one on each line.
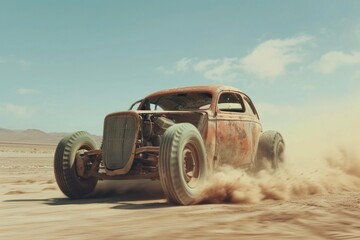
<point>32,206</point>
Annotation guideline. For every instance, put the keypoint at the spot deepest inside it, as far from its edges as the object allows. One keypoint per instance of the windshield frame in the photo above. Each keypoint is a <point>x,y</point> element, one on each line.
<point>156,99</point>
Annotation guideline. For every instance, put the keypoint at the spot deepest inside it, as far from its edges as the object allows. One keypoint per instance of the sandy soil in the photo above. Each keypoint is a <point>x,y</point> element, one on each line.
<point>32,207</point>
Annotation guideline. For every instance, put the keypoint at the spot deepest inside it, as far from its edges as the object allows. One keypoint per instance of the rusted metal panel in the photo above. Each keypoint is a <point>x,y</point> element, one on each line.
<point>209,136</point>
<point>235,140</point>
<point>232,142</point>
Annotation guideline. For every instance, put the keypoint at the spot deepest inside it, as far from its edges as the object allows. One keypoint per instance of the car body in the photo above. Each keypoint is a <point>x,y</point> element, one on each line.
<point>226,133</point>
<point>198,128</point>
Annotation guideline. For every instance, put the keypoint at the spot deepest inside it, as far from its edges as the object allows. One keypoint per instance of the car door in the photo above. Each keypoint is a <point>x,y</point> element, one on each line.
<point>233,131</point>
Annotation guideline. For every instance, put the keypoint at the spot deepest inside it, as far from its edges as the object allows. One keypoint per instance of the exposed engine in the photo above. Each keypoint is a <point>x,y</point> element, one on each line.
<point>153,127</point>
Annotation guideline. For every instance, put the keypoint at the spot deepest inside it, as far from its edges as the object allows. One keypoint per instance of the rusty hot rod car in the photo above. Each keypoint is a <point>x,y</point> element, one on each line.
<point>178,136</point>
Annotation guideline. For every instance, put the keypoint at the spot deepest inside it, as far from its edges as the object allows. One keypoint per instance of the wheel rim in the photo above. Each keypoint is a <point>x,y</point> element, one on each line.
<point>191,160</point>
<point>81,150</point>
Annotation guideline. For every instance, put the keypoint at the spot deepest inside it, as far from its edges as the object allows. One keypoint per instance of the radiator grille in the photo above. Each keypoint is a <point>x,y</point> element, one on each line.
<point>120,133</point>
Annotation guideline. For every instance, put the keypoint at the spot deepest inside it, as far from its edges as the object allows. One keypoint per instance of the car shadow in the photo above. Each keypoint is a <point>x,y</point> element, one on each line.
<point>123,195</point>
<point>128,200</point>
<point>109,197</point>
<point>137,206</point>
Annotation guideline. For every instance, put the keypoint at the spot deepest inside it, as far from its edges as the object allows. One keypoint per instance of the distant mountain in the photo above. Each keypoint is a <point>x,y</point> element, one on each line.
<point>33,136</point>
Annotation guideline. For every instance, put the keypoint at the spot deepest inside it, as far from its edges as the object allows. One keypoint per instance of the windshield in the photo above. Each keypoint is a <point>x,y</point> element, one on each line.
<point>179,102</point>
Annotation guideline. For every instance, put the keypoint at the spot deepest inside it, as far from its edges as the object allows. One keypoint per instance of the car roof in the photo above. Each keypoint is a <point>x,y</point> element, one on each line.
<point>206,88</point>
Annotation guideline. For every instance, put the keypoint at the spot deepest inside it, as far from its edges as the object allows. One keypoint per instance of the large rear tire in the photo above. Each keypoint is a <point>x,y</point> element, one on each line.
<point>270,153</point>
<point>66,176</point>
<point>182,164</point>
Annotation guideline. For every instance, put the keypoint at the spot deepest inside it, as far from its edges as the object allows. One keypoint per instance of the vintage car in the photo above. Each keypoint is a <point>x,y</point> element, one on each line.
<point>178,136</point>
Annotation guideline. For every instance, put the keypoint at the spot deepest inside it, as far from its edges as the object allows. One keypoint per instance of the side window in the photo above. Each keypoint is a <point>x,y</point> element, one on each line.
<point>230,102</point>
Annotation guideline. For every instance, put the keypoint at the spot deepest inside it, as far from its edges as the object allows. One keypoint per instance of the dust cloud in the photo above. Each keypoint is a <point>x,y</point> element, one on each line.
<point>322,157</point>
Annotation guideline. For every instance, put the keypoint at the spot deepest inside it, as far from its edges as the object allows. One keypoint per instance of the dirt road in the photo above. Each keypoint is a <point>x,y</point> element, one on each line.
<point>32,207</point>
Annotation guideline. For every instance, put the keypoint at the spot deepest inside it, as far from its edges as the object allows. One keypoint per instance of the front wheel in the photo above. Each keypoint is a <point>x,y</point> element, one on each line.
<point>182,164</point>
<point>66,176</point>
<point>270,153</point>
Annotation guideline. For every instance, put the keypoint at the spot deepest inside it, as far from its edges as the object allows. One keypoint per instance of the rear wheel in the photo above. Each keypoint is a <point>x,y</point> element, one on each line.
<point>182,163</point>
<point>270,153</point>
<point>66,176</point>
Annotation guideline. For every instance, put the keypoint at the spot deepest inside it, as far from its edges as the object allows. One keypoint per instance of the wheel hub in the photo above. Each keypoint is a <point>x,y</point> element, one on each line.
<point>190,164</point>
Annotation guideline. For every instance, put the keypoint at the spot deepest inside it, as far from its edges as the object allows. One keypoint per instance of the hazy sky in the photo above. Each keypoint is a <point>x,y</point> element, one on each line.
<point>65,64</point>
